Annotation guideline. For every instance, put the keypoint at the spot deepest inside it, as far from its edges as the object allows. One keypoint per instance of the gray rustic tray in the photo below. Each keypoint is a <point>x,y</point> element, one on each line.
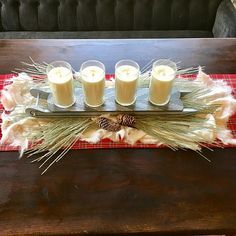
<point>142,106</point>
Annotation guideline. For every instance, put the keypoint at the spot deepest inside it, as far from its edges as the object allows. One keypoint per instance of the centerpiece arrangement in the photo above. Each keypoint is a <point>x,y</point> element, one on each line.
<point>160,106</point>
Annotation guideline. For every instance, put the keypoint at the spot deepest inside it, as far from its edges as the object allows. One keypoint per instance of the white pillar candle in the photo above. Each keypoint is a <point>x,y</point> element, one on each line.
<point>61,84</point>
<point>126,79</point>
<point>162,77</point>
<point>93,80</point>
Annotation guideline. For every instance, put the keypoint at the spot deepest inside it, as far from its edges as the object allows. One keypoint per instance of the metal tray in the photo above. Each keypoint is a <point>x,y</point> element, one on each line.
<point>142,106</point>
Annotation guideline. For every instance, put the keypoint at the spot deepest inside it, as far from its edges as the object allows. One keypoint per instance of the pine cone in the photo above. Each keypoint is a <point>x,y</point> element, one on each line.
<point>107,124</point>
<point>125,120</point>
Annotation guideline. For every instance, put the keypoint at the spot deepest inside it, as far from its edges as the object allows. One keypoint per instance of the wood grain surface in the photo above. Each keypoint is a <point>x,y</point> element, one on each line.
<point>217,55</point>
<point>121,191</point>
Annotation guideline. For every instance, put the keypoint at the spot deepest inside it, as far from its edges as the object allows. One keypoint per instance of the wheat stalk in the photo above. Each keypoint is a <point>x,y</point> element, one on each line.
<point>53,140</point>
<point>56,135</point>
<point>34,68</point>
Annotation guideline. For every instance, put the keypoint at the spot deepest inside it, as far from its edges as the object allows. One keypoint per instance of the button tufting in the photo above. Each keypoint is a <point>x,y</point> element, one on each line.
<point>87,15</point>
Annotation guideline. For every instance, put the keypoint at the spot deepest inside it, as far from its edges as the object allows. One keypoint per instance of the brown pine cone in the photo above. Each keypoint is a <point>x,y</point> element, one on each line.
<point>126,120</point>
<point>107,124</point>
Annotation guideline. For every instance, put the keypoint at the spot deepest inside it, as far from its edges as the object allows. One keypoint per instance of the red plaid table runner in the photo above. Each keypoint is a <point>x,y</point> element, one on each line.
<point>106,143</point>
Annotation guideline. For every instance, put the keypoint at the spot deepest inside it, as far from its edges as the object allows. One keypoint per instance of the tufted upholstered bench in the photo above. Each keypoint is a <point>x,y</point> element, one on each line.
<point>117,18</point>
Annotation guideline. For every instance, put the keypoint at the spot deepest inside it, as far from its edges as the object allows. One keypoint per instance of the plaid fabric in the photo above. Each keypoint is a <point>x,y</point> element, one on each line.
<point>106,143</point>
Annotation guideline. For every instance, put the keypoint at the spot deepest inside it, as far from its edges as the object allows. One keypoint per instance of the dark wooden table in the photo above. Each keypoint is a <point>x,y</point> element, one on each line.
<point>127,190</point>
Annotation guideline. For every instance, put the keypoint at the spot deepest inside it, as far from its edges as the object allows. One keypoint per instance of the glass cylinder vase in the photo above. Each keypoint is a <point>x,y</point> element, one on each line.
<point>162,77</point>
<point>93,81</point>
<point>60,78</point>
<point>126,80</point>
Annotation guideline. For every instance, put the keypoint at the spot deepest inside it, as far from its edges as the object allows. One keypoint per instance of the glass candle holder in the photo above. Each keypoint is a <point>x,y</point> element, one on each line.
<point>93,81</point>
<point>126,80</point>
<point>60,79</point>
<point>162,77</point>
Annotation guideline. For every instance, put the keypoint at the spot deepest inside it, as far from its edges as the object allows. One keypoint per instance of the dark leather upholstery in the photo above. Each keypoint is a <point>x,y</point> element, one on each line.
<point>225,23</point>
<point>108,15</point>
<point>106,34</point>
